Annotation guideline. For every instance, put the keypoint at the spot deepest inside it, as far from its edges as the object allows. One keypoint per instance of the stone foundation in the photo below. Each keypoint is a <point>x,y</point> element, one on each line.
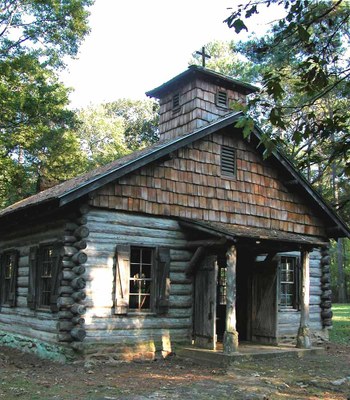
<point>41,349</point>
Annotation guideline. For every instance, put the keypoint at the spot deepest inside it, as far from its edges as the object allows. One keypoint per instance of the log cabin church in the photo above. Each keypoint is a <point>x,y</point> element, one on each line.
<point>197,240</point>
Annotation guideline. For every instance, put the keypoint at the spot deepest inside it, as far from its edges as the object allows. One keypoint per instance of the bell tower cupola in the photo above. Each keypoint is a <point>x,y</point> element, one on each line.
<point>195,98</point>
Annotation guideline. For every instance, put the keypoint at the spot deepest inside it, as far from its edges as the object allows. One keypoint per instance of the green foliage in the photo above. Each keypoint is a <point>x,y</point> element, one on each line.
<point>340,333</point>
<point>140,119</point>
<point>303,65</point>
<point>108,131</point>
<point>101,135</point>
<point>35,144</point>
<point>46,29</point>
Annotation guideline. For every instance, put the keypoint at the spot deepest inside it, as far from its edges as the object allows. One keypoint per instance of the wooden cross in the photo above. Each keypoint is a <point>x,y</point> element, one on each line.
<point>204,56</point>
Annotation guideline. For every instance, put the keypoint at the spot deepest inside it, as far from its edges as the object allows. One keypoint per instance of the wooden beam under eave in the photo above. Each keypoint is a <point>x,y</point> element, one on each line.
<point>197,256</point>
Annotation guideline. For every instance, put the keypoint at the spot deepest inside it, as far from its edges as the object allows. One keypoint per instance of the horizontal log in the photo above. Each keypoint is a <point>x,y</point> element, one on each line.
<point>68,251</point>
<point>69,239</point>
<point>78,283</point>
<point>23,271</point>
<point>65,301</point>
<point>67,275</point>
<point>78,296</point>
<point>78,334</point>
<point>64,326</point>
<point>71,226</point>
<point>65,315</point>
<point>127,219</point>
<point>78,309</point>
<point>79,269</point>
<point>68,263</point>
<point>327,313</point>
<point>78,320</point>
<point>65,290</point>
<point>79,258</point>
<point>82,232</point>
<point>82,220</point>
<point>137,335</point>
<point>23,261</point>
<point>84,209</point>
<point>65,337</point>
<point>131,322</point>
<point>81,244</point>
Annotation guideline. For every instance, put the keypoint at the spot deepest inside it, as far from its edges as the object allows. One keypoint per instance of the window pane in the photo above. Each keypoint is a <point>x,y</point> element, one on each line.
<point>47,261</point>
<point>288,281</point>
<point>140,278</point>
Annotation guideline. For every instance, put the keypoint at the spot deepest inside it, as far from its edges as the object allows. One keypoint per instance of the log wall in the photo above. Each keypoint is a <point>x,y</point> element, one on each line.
<point>289,320</point>
<point>107,229</point>
<point>190,185</point>
<point>40,325</point>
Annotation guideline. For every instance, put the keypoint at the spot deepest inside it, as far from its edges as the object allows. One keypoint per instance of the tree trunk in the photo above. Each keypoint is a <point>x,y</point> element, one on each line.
<point>341,275</point>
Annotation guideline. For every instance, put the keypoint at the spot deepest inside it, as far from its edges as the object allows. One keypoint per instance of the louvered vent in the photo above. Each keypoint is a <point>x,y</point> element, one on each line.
<point>221,98</point>
<point>176,102</point>
<point>228,161</point>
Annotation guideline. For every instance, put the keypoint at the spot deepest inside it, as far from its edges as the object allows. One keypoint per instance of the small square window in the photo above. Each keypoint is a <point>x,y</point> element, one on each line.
<point>228,161</point>
<point>222,99</point>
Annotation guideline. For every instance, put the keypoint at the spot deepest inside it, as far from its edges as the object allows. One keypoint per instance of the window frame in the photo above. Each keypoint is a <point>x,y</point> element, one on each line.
<point>8,286</point>
<point>151,279</point>
<point>36,266</point>
<point>294,287</point>
<point>159,287</point>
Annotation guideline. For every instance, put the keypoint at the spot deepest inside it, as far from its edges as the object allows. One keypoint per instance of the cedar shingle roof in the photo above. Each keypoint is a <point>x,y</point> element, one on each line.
<point>75,188</point>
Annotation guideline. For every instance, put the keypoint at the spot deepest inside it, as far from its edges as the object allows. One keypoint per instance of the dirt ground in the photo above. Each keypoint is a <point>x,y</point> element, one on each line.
<point>322,376</point>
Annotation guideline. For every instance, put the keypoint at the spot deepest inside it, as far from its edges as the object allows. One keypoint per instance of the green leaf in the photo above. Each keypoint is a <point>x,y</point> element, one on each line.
<point>238,24</point>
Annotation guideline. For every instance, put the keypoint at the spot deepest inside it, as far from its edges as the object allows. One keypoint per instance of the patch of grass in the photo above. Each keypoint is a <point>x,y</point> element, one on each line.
<point>340,333</point>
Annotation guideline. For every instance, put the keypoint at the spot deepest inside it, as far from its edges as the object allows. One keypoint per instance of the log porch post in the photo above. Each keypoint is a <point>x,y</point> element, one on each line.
<point>231,334</point>
<point>303,339</point>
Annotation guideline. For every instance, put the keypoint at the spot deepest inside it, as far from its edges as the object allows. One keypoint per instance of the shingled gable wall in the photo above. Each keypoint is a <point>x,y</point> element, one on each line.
<point>190,185</point>
<point>197,107</point>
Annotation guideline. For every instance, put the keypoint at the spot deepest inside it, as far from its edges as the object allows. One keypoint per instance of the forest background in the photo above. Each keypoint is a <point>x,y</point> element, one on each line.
<point>302,67</point>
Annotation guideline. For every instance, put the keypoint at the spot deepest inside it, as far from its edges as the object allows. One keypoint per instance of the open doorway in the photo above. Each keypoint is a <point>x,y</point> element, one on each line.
<point>243,301</point>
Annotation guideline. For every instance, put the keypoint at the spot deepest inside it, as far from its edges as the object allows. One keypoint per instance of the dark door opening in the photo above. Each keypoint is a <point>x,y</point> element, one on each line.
<point>243,296</point>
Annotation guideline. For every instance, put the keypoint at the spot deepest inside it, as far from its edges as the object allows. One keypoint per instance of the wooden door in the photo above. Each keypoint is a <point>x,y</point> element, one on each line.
<point>205,304</point>
<point>264,302</point>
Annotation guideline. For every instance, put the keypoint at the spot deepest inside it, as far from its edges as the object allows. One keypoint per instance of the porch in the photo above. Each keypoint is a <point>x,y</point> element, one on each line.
<point>246,352</point>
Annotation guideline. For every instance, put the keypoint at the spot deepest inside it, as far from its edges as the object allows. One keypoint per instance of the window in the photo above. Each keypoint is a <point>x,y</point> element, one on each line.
<point>222,99</point>
<point>141,261</point>
<point>8,274</point>
<point>228,161</point>
<point>44,267</point>
<point>142,279</point>
<point>222,285</point>
<point>176,102</point>
<point>47,260</point>
<point>289,275</point>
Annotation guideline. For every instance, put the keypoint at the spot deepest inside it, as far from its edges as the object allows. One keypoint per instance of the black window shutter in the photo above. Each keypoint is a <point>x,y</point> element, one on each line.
<point>13,281</point>
<point>162,281</point>
<point>56,265</point>
<point>32,283</point>
<point>122,276</point>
